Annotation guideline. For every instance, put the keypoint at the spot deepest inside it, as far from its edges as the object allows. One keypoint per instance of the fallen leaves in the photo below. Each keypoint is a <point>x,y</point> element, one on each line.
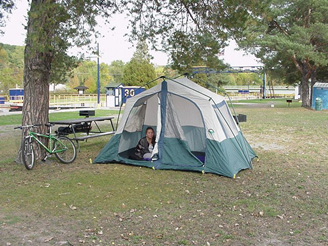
<point>119,216</point>
<point>48,239</point>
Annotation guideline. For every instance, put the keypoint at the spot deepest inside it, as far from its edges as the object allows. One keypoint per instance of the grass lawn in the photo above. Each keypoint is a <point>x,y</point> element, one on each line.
<point>263,103</point>
<point>282,201</point>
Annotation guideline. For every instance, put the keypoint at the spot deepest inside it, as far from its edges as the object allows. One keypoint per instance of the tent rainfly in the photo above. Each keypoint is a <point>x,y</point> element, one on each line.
<point>194,128</point>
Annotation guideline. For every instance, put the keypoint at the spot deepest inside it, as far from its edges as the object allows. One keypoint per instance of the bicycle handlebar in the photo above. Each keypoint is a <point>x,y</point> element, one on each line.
<point>27,126</point>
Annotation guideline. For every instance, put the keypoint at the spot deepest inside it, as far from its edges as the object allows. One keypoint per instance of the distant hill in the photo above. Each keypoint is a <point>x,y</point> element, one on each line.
<point>11,66</point>
<point>15,54</point>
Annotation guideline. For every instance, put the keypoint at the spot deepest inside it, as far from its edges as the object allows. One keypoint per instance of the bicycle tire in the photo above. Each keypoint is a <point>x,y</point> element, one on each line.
<point>67,156</point>
<point>28,155</point>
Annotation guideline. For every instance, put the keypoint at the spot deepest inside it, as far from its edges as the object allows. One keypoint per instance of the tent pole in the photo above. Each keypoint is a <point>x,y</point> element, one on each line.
<point>119,113</point>
<point>233,108</point>
<point>161,77</point>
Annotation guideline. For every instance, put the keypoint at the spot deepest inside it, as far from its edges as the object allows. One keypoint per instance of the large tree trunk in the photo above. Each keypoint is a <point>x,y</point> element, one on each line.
<point>313,81</point>
<point>307,71</point>
<point>37,66</point>
<point>305,92</point>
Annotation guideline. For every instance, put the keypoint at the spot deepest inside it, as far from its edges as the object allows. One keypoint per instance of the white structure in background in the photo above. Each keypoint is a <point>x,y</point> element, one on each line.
<point>113,95</point>
<point>278,91</point>
<point>297,92</point>
<point>60,87</point>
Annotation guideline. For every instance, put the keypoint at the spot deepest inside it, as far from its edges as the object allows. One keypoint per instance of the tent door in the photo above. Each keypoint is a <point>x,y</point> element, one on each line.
<point>184,133</point>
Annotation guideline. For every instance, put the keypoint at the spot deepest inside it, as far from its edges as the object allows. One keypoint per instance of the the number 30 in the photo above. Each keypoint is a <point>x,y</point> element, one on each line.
<point>128,92</point>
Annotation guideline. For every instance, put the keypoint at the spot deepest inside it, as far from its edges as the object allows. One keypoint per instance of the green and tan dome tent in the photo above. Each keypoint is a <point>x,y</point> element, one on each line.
<point>194,128</point>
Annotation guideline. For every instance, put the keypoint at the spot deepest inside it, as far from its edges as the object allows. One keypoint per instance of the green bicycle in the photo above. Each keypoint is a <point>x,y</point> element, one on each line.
<point>63,147</point>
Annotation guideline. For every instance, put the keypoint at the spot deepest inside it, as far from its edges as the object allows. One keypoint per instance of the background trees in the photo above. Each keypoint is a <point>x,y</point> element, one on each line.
<point>191,32</point>
<point>139,70</point>
<point>290,36</point>
<point>194,32</point>
<point>11,66</point>
<point>116,70</point>
<point>86,74</point>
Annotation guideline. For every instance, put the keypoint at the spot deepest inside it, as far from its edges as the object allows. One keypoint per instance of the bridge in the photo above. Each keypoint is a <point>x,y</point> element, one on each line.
<point>235,69</point>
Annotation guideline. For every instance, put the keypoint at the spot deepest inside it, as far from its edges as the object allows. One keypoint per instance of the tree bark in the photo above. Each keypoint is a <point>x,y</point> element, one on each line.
<point>306,71</point>
<point>37,66</point>
<point>305,92</point>
<point>313,81</point>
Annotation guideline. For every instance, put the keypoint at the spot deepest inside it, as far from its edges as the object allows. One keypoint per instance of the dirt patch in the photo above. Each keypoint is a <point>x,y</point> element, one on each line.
<point>255,105</point>
<point>29,229</point>
<point>266,146</point>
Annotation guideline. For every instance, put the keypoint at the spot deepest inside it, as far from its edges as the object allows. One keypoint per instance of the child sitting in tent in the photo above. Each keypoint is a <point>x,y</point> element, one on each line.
<point>145,146</point>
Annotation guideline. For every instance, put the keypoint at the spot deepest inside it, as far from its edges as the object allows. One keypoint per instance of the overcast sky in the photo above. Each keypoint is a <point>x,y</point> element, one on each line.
<point>113,46</point>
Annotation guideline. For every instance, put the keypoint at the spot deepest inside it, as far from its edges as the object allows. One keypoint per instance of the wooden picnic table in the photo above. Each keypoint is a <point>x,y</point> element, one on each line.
<point>88,120</point>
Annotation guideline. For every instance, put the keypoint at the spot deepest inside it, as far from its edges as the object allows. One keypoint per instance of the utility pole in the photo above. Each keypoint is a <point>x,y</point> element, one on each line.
<point>98,78</point>
<point>264,84</point>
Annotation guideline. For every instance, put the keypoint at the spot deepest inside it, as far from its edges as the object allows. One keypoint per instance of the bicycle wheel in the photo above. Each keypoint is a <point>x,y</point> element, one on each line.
<point>28,156</point>
<point>68,153</point>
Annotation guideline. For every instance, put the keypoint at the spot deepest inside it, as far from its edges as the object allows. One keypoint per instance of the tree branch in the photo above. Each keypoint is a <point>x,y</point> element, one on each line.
<point>296,63</point>
<point>280,28</point>
<point>307,18</point>
<point>310,68</point>
<point>190,14</point>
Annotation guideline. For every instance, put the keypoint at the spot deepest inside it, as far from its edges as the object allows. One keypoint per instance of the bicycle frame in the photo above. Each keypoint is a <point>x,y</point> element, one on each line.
<point>51,138</point>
